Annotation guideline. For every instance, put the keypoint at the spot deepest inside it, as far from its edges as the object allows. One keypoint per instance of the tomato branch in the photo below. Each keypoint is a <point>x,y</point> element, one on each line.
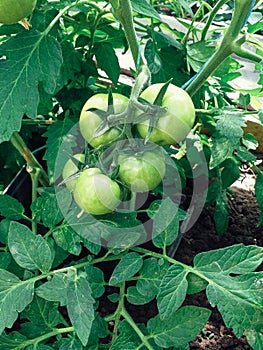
<point>230,44</point>
<point>123,12</point>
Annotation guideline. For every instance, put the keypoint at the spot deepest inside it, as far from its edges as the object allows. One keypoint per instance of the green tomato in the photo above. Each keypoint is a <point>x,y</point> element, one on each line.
<point>175,124</point>
<point>70,169</point>
<point>142,171</point>
<point>96,193</point>
<point>12,11</point>
<point>90,120</point>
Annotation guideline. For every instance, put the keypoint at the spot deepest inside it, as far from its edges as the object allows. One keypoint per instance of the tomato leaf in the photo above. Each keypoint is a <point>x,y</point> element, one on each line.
<point>54,289</point>
<point>172,291</point>
<point>31,57</point>
<point>180,328</point>
<point>80,306</point>
<point>230,124</point>
<point>30,251</point>
<point>59,146</point>
<point>43,316</point>
<point>15,295</point>
<point>110,65</point>
<point>129,265</point>
<point>221,213</point>
<point>10,207</point>
<point>224,290</point>
<point>144,8</point>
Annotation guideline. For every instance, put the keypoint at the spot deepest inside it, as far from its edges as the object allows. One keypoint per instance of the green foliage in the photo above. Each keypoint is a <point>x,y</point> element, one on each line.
<point>58,264</point>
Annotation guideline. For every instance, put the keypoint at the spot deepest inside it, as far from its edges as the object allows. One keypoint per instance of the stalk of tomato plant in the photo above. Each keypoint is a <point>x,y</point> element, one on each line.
<point>32,162</point>
<point>123,11</point>
<point>143,338</point>
<point>229,45</point>
<point>214,11</point>
<point>117,314</point>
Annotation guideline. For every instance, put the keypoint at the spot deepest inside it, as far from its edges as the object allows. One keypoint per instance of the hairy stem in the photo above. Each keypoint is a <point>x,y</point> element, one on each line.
<point>123,11</point>
<point>31,160</point>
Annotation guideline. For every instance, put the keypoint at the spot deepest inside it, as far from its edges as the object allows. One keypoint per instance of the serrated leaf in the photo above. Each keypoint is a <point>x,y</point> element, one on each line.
<point>255,339</point>
<point>136,298</point>
<point>66,238</point>
<point>46,208</point>
<point>30,251</point>
<point>165,223</point>
<point>180,328</point>
<point>13,340</point>
<point>80,307</point>
<point>95,278</point>
<point>5,260</point>
<point>10,207</point>
<point>54,289</point>
<point>221,149</point>
<point>127,338</point>
<point>237,259</point>
<point>71,343</point>
<point>230,124</point>
<point>172,291</point>
<point>226,291</point>
<point>145,8</point>
<point>129,265</point>
<point>221,213</point>
<point>15,295</point>
<point>31,57</point>
<point>259,194</point>
<point>110,65</point>
<point>152,57</point>
<point>245,291</point>
<point>43,317</point>
<point>59,146</point>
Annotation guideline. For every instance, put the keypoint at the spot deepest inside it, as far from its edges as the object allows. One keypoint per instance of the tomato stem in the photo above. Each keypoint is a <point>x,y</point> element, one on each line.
<point>123,12</point>
<point>230,44</point>
<point>32,162</point>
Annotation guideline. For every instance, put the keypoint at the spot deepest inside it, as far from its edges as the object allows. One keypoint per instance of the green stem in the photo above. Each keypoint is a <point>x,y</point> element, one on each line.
<point>204,4</point>
<point>45,337</point>
<point>35,174</point>
<point>227,47</point>
<point>37,121</point>
<point>117,314</point>
<point>123,11</point>
<point>214,11</point>
<point>144,340</point>
<point>32,162</point>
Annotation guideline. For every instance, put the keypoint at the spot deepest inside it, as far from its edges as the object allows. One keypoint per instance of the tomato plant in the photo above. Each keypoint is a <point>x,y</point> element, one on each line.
<point>175,124</point>
<point>70,169</point>
<point>97,263</point>
<point>143,170</point>
<point>90,119</point>
<point>13,11</point>
<point>96,193</point>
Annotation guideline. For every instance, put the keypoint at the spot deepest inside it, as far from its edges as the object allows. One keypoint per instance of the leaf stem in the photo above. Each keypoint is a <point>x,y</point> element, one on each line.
<point>32,162</point>
<point>117,314</point>
<point>44,337</point>
<point>35,174</point>
<point>128,318</point>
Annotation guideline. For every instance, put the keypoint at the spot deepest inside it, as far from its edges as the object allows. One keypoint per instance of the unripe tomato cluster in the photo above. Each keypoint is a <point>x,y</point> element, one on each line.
<point>142,171</point>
